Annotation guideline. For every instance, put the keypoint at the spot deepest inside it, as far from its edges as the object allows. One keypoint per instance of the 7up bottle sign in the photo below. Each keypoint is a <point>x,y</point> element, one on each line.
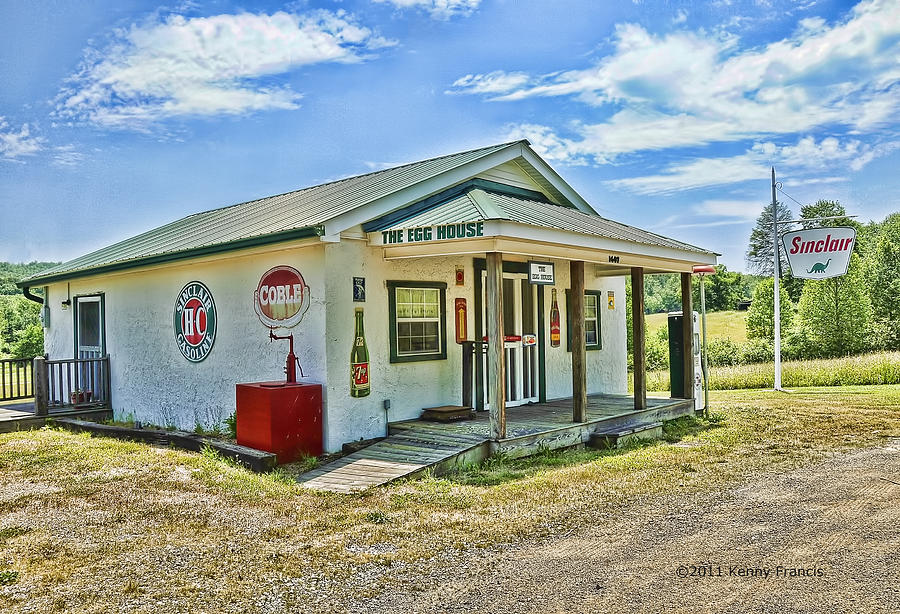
<point>195,321</point>
<point>359,360</point>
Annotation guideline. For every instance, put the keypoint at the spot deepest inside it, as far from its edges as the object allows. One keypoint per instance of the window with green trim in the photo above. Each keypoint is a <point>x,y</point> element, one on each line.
<point>592,302</point>
<point>418,320</point>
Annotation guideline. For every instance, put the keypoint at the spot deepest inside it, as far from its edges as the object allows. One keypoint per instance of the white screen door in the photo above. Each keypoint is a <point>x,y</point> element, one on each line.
<point>89,327</point>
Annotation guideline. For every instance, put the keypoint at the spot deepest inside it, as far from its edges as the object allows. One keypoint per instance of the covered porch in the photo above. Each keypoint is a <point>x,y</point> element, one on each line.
<point>413,447</point>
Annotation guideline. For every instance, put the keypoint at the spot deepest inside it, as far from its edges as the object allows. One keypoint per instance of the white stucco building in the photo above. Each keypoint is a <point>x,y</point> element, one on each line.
<point>399,231</point>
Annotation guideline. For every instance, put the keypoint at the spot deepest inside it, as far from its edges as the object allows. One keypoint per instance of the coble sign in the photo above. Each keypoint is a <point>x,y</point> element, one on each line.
<point>281,297</point>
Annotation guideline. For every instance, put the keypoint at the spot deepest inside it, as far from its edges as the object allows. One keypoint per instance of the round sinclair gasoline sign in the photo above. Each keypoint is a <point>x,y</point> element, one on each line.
<point>195,321</point>
<point>281,297</point>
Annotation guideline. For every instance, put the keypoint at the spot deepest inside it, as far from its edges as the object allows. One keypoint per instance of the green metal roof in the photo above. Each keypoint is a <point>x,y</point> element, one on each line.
<point>478,204</point>
<point>276,218</point>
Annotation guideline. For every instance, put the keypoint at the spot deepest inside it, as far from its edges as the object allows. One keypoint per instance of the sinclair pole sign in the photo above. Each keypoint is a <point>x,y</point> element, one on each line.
<point>819,253</point>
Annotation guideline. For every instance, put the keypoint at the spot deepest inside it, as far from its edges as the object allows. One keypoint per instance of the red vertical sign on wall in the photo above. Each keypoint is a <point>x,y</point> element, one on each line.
<point>461,317</point>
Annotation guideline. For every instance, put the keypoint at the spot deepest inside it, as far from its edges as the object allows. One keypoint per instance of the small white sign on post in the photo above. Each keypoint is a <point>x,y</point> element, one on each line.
<point>541,273</point>
<point>819,253</point>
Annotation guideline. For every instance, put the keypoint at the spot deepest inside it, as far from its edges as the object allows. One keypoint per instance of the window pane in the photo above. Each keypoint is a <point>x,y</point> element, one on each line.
<point>417,296</point>
<point>402,295</point>
<point>432,296</point>
<point>432,311</point>
<point>404,310</point>
<point>403,345</point>
<point>431,328</point>
<point>431,344</point>
<point>417,310</point>
<point>590,337</point>
<point>89,323</point>
<point>417,329</point>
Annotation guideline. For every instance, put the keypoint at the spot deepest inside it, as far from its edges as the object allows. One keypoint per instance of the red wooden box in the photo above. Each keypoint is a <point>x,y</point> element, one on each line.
<point>285,419</point>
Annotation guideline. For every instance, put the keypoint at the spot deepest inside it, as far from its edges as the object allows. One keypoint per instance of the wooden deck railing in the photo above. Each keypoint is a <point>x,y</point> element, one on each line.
<point>74,382</point>
<point>16,378</point>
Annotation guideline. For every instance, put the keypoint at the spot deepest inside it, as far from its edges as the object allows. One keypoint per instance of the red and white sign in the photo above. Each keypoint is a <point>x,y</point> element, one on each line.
<point>281,298</point>
<point>819,253</point>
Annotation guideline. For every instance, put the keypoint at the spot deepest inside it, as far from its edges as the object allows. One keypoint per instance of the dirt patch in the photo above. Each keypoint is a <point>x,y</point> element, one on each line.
<point>837,522</point>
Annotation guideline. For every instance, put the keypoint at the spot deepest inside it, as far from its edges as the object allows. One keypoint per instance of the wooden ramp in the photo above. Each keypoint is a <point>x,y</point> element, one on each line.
<point>400,455</point>
<point>414,446</point>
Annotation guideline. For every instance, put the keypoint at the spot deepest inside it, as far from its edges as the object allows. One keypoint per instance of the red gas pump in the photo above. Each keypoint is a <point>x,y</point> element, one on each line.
<point>290,367</point>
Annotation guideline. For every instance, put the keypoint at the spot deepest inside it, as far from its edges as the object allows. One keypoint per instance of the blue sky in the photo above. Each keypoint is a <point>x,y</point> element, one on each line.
<point>116,117</point>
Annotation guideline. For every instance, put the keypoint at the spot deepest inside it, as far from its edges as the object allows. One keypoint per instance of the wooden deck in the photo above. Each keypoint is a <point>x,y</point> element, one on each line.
<point>19,416</point>
<point>415,446</point>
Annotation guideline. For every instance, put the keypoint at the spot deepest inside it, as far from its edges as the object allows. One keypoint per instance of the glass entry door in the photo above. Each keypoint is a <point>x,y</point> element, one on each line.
<point>520,339</point>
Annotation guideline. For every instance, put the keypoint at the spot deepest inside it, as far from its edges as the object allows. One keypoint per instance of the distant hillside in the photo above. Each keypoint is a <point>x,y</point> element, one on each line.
<point>11,272</point>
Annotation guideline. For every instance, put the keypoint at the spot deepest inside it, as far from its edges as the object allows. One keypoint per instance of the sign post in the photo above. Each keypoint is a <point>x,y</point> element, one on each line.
<point>834,243</point>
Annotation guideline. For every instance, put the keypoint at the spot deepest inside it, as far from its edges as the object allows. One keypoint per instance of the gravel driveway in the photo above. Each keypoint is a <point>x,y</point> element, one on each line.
<point>825,538</point>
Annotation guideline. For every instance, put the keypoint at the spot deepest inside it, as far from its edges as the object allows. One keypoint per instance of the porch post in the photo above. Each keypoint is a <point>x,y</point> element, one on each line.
<point>579,375</point>
<point>637,329</point>
<point>40,382</point>
<point>687,333</point>
<point>496,380</point>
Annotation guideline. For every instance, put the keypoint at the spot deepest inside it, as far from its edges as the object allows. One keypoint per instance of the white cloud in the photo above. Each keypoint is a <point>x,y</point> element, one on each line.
<point>16,144</point>
<point>681,16</point>
<point>439,9</point>
<point>743,209</point>
<point>207,65</point>
<point>496,82</point>
<point>66,155</point>
<point>797,161</point>
<point>698,88</point>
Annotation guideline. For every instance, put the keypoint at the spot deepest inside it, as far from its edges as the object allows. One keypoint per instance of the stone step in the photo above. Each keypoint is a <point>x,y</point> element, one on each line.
<point>619,438</point>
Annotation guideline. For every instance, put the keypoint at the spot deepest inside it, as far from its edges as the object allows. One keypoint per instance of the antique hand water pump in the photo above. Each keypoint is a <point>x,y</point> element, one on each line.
<point>290,367</point>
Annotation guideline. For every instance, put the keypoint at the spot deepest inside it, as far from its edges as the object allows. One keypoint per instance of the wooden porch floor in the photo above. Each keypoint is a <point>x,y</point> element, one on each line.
<point>19,415</point>
<point>414,446</point>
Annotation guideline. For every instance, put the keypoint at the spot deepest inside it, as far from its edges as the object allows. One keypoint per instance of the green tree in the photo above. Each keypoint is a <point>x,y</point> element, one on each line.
<point>882,274</point>
<point>29,342</point>
<point>835,315</point>
<point>760,257</point>
<point>761,317</point>
<point>16,314</point>
<point>723,290</point>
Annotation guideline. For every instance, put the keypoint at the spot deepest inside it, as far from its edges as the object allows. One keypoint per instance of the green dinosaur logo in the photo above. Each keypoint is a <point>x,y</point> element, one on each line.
<point>819,267</point>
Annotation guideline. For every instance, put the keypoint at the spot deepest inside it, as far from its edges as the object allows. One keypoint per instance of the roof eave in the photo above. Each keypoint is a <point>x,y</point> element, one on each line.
<point>167,257</point>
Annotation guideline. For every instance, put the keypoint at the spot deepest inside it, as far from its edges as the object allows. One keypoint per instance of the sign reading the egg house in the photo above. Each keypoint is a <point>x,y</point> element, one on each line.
<point>195,321</point>
<point>819,253</point>
<point>442,232</point>
<point>281,297</point>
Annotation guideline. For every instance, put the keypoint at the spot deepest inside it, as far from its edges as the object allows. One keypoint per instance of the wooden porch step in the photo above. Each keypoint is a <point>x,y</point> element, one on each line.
<point>620,437</point>
<point>447,413</point>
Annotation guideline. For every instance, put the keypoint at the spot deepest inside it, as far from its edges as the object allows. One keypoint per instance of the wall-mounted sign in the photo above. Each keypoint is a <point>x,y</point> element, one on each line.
<point>460,276</point>
<point>359,360</point>
<point>359,289</point>
<point>443,232</point>
<point>281,298</point>
<point>819,253</point>
<point>462,318</point>
<point>554,322</point>
<point>542,273</point>
<point>610,299</point>
<point>195,321</point>
<point>529,340</point>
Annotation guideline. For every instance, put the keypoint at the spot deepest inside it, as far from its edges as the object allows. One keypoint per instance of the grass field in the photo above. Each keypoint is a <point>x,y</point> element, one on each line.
<point>865,369</point>
<point>732,324</point>
<point>92,524</point>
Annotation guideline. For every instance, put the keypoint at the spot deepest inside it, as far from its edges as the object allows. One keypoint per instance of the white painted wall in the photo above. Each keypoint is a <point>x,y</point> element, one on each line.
<point>412,386</point>
<point>150,379</point>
